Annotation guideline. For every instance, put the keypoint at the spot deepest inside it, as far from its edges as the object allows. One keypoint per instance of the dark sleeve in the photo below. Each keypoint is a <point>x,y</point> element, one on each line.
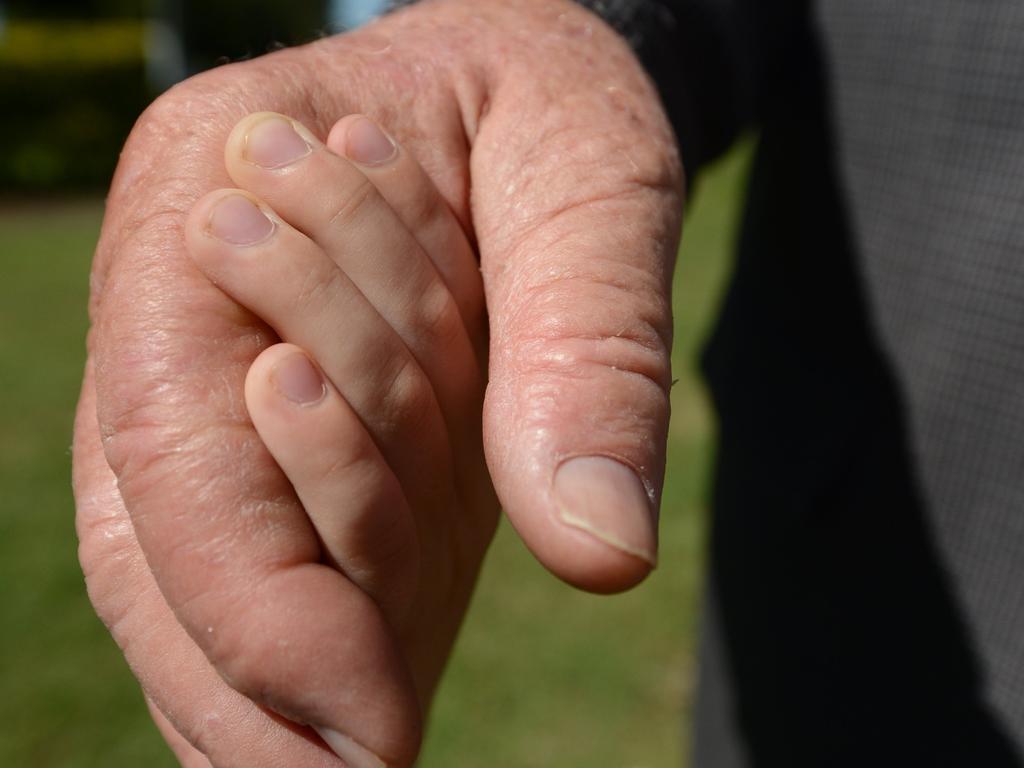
<point>712,60</point>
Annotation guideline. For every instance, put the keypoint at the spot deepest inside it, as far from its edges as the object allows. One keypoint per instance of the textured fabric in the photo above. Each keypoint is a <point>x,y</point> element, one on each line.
<point>930,121</point>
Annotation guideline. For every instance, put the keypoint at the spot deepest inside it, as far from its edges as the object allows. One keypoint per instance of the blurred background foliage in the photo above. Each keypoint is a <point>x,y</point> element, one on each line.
<point>81,71</point>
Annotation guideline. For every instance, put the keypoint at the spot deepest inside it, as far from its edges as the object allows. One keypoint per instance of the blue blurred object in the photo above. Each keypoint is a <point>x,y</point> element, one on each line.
<point>348,14</point>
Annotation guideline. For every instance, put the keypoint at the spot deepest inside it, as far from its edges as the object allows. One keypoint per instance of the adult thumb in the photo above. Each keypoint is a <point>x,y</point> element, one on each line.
<point>577,199</point>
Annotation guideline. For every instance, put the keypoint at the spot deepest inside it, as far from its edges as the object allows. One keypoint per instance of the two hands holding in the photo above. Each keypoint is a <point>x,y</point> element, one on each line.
<point>288,567</point>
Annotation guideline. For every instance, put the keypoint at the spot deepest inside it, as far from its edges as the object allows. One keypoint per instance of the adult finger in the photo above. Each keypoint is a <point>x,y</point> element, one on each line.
<point>201,717</point>
<point>577,198</point>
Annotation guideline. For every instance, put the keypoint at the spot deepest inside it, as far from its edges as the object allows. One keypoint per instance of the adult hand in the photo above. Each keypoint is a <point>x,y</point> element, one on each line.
<point>195,551</point>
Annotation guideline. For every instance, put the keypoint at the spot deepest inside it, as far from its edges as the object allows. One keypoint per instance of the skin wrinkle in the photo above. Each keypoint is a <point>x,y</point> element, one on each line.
<point>549,270</point>
<point>540,406</point>
<point>111,548</point>
<point>178,453</point>
<point>575,145</point>
<point>108,532</point>
<point>602,272</point>
<point>167,401</point>
<point>515,234</point>
<point>545,314</point>
<point>634,430</point>
<point>102,584</point>
<point>569,355</point>
<point>626,338</point>
<point>559,164</point>
<point>537,324</point>
<point>581,367</point>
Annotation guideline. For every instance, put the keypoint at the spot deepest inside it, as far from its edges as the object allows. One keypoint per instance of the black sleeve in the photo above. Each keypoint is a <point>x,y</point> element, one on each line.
<point>712,61</point>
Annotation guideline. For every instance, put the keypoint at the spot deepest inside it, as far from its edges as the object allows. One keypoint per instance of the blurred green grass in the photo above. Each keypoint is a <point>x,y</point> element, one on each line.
<point>542,675</point>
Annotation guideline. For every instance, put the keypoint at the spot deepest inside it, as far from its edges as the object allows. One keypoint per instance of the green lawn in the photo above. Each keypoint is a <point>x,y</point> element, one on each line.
<point>543,676</point>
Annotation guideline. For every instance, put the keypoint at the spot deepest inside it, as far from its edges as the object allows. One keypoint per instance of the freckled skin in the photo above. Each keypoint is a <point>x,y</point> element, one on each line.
<point>574,206</point>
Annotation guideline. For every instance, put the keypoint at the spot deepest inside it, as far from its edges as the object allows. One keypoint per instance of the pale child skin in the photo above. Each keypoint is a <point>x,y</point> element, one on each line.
<point>370,404</point>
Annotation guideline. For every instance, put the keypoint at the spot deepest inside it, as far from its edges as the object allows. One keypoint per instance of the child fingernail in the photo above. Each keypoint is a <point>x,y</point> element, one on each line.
<point>274,143</point>
<point>367,144</point>
<point>297,379</point>
<point>238,221</point>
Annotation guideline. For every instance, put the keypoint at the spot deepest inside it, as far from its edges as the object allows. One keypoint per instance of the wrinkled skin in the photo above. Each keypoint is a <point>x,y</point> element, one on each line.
<point>574,207</point>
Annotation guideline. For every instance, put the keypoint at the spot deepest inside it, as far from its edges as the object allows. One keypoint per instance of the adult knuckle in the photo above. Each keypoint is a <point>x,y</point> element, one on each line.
<point>168,154</point>
<point>586,356</point>
<point>185,111</point>
<point>578,323</point>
